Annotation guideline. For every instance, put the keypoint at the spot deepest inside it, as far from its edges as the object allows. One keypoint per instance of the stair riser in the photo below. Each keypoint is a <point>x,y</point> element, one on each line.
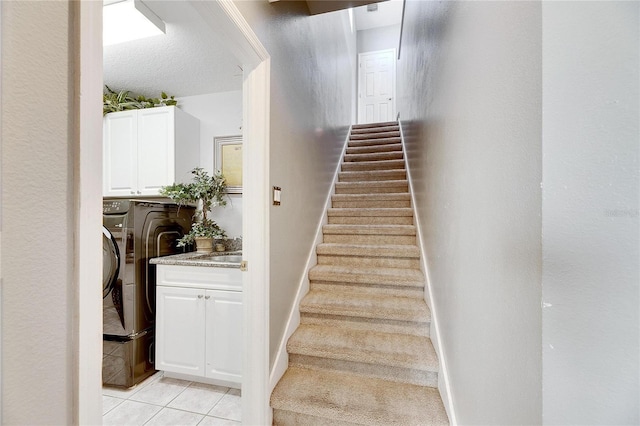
<point>404,212</point>
<point>373,262</point>
<point>374,125</point>
<point>362,189</point>
<point>369,142</point>
<point>383,280</point>
<point>380,129</point>
<point>395,374</point>
<point>370,204</point>
<point>381,290</point>
<point>371,220</point>
<point>367,166</point>
<point>369,149</point>
<point>290,418</point>
<point>369,239</point>
<point>367,324</point>
<point>367,176</point>
<point>378,156</point>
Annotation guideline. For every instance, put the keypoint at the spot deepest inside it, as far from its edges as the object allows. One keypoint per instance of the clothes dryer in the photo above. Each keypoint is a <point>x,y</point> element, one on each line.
<point>134,231</point>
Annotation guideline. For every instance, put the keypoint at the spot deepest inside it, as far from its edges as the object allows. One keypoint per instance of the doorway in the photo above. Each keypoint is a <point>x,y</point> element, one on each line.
<point>226,20</point>
<point>376,86</point>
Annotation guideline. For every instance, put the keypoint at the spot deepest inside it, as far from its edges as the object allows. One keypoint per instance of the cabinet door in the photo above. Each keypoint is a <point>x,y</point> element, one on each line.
<point>120,154</point>
<point>180,330</point>
<point>224,335</point>
<point>156,138</point>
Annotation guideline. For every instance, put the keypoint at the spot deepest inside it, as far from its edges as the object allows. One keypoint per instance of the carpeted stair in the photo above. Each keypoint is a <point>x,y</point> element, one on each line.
<point>362,353</point>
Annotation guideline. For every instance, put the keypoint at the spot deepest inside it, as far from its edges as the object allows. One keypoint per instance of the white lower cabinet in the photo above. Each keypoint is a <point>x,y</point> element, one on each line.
<point>199,327</point>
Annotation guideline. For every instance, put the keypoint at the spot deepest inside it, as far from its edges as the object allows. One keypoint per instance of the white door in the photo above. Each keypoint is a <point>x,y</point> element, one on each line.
<point>377,86</point>
<point>224,335</point>
<point>180,330</point>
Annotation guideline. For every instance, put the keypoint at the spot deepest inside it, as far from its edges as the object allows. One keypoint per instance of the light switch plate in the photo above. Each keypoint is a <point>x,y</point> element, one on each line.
<point>276,195</point>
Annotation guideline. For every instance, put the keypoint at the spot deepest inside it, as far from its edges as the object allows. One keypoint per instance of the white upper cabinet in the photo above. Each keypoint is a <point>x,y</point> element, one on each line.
<point>149,148</point>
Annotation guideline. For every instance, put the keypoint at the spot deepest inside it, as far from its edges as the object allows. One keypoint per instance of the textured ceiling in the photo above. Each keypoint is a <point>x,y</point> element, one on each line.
<point>188,60</point>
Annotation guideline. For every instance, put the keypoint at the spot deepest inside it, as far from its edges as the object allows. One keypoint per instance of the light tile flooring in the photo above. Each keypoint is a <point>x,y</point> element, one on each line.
<point>164,401</point>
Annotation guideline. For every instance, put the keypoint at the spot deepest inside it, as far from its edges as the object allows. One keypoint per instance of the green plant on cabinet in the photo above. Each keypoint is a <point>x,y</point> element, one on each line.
<point>113,101</point>
<point>206,192</point>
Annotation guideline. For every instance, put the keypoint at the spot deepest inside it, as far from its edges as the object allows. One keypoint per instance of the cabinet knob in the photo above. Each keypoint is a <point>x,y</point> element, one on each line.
<point>199,296</point>
<point>207,297</point>
<point>133,193</point>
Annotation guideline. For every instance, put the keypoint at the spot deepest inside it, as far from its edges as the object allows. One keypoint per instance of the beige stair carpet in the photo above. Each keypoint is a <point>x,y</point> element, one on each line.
<point>362,353</point>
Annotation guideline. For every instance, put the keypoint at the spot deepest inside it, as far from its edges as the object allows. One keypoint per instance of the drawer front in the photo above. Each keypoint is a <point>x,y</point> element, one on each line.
<point>200,277</point>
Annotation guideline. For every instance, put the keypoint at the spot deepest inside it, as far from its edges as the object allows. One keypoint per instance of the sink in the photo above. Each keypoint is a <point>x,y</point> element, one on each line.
<point>224,258</point>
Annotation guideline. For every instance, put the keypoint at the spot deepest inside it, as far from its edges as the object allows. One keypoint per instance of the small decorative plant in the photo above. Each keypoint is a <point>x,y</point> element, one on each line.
<point>113,101</point>
<point>206,192</point>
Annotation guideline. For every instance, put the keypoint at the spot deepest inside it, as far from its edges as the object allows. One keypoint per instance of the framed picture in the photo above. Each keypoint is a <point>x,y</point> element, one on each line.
<point>228,159</point>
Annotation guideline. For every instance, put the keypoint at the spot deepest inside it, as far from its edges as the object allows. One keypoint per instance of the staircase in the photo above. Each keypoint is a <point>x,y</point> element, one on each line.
<point>362,353</point>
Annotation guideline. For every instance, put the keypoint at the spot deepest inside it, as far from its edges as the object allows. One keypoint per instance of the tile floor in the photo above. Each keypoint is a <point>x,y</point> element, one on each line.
<point>164,401</point>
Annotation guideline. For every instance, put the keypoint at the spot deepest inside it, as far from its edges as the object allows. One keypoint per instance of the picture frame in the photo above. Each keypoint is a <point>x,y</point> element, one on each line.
<point>228,159</point>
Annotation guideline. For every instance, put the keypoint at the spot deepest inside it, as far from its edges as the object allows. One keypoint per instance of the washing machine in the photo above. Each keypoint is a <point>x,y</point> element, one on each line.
<point>134,231</point>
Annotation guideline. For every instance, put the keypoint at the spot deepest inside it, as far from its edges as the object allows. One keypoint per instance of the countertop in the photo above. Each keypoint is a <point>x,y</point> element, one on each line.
<point>196,259</point>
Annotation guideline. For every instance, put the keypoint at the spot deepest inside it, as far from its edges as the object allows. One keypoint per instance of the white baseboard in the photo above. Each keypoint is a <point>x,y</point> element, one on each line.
<point>282,357</point>
<point>199,379</point>
<point>443,378</point>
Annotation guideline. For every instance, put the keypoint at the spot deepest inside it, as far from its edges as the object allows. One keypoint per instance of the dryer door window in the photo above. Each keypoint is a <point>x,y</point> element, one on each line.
<point>110,262</point>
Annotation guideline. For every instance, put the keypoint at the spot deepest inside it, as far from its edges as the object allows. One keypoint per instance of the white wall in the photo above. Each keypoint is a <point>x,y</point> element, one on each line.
<point>591,146</point>
<point>380,38</point>
<point>311,109</point>
<point>220,114</point>
<point>469,88</point>
<point>39,318</point>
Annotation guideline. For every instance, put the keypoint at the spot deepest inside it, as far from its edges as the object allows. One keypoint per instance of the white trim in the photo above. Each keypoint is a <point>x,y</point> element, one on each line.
<point>443,378</point>
<point>88,215</point>
<point>224,17</point>
<point>282,357</point>
<point>1,283</point>
<point>255,231</point>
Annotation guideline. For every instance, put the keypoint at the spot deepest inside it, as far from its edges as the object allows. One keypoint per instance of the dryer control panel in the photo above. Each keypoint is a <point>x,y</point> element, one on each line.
<point>115,206</point>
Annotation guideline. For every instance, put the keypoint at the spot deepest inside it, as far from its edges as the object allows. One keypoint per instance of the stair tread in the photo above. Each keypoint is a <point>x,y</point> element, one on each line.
<point>382,128</point>
<point>362,400</point>
<point>370,250</point>
<point>397,164</point>
<point>383,196</point>
<point>370,211</point>
<point>375,135</point>
<point>381,276</point>
<point>369,125</point>
<point>366,149</point>
<point>369,229</point>
<point>373,156</point>
<point>371,347</point>
<point>366,305</point>
<point>374,183</point>
<point>380,173</point>
<point>376,141</point>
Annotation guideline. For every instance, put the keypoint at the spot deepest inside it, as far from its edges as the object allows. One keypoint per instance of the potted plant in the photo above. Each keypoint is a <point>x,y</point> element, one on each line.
<point>113,101</point>
<point>206,192</point>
